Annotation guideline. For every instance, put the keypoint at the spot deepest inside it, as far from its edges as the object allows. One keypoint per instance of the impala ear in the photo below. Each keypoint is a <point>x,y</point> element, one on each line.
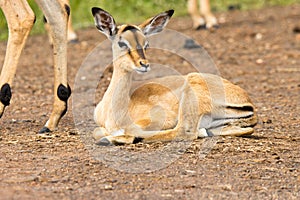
<point>157,23</point>
<point>104,22</point>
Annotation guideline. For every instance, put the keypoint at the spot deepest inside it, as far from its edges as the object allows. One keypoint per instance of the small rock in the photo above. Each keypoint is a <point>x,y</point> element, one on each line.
<point>222,19</point>
<point>108,187</point>
<point>259,61</point>
<point>190,171</point>
<point>258,36</point>
<point>296,29</point>
<point>267,121</point>
<point>190,44</point>
<point>69,188</point>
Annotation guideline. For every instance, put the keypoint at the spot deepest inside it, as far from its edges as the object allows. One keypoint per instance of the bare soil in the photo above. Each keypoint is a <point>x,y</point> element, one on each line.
<point>258,50</point>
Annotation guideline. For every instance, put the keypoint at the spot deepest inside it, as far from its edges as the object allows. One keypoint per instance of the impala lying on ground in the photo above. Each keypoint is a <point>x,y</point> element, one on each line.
<point>167,108</point>
<point>204,18</point>
<point>20,19</point>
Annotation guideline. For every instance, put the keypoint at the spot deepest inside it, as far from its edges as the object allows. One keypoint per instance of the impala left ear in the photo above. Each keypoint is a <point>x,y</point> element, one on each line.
<point>104,22</point>
<point>157,23</point>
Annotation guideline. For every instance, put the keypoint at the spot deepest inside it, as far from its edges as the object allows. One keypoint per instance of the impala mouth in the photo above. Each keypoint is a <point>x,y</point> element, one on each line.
<point>142,70</point>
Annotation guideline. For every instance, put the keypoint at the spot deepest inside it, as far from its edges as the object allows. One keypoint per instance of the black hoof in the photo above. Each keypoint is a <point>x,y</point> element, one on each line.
<point>216,26</point>
<point>233,7</point>
<point>201,27</point>
<point>137,140</point>
<point>104,142</point>
<point>296,29</point>
<point>44,130</point>
<point>190,44</point>
<point>75,41</point>
<point>209,133</point>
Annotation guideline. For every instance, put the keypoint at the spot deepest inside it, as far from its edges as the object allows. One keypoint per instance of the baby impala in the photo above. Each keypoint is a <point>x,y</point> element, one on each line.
<point>167,108</point>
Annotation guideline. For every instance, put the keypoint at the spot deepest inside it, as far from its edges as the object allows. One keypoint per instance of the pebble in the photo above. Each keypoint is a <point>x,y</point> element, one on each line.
<point>259,61</point>
<point>258,36</point>
<point>108,187</point>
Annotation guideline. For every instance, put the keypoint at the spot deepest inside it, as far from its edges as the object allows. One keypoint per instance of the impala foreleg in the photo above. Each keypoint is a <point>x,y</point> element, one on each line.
<point>133,136</point>
<point>57,15</point>
<point>99,133</point>
<point>186,128</point>
<point>20,19</point>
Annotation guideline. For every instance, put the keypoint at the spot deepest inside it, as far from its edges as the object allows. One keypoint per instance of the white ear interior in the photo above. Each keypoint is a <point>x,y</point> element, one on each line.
<point>157,23</point>
<point>104,22</point>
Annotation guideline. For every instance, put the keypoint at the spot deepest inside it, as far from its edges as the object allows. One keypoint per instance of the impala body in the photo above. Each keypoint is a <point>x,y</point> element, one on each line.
<point>167,108</point>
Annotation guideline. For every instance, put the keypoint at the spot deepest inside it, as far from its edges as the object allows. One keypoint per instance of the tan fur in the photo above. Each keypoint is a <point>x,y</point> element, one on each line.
<point>167,108</point>
<point>20,19</point>
<point>71,35</point>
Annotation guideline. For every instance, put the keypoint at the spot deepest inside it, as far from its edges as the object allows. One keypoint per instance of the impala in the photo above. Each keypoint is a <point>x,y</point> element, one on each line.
<point>167,108</point>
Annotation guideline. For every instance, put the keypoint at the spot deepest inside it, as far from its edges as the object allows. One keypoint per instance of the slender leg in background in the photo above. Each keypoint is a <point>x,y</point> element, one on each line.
<point>20,19</point>
<point>57,21</point>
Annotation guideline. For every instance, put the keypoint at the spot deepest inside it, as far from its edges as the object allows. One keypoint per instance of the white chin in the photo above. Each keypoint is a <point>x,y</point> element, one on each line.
<point>142,71</point>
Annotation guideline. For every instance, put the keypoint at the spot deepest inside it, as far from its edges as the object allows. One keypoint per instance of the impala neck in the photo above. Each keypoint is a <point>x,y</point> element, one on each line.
<point>120,81</point>
<point>119,87</point>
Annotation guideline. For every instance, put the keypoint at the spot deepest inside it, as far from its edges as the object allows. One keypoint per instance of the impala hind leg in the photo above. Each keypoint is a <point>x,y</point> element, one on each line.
<point>230,131</point>
<point>204,18</point>
<point>210,19</point>
<point>229,127</point>
<point>71,35</point>
<point>99,133</point>
<point>198,20</point>
<point>20,19</point>
<point>57,15</point>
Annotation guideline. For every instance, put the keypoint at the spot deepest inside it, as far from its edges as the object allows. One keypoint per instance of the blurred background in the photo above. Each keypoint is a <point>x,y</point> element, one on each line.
<point>137,10</point>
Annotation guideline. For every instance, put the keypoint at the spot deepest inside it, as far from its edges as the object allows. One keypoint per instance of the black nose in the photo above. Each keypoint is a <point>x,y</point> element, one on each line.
<point>146,65</point>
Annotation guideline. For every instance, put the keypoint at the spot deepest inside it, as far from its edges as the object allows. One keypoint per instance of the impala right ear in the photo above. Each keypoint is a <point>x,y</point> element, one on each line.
<point>104,22</point>
<point>157,23</point>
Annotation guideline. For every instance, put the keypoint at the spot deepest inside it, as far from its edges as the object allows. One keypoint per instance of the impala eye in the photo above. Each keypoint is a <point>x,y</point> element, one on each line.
<point>122,45</point>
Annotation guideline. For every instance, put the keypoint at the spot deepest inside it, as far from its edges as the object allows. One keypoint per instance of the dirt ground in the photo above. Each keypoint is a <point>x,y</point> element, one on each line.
<point>258,50</point>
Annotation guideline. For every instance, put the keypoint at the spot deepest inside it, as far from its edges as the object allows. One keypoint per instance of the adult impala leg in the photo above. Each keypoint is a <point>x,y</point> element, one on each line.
<point>204,18</point>
<point>20,19</point>
<point>198,20</point>
<point>71,35</point>
<point>57,15</point>
<point>210,19</point>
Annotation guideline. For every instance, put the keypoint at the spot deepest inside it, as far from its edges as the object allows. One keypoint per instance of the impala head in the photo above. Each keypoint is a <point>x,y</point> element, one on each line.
<point>130,42</point>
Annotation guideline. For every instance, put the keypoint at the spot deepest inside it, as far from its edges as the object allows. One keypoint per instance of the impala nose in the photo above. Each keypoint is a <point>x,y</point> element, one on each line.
<point>144,64</point>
